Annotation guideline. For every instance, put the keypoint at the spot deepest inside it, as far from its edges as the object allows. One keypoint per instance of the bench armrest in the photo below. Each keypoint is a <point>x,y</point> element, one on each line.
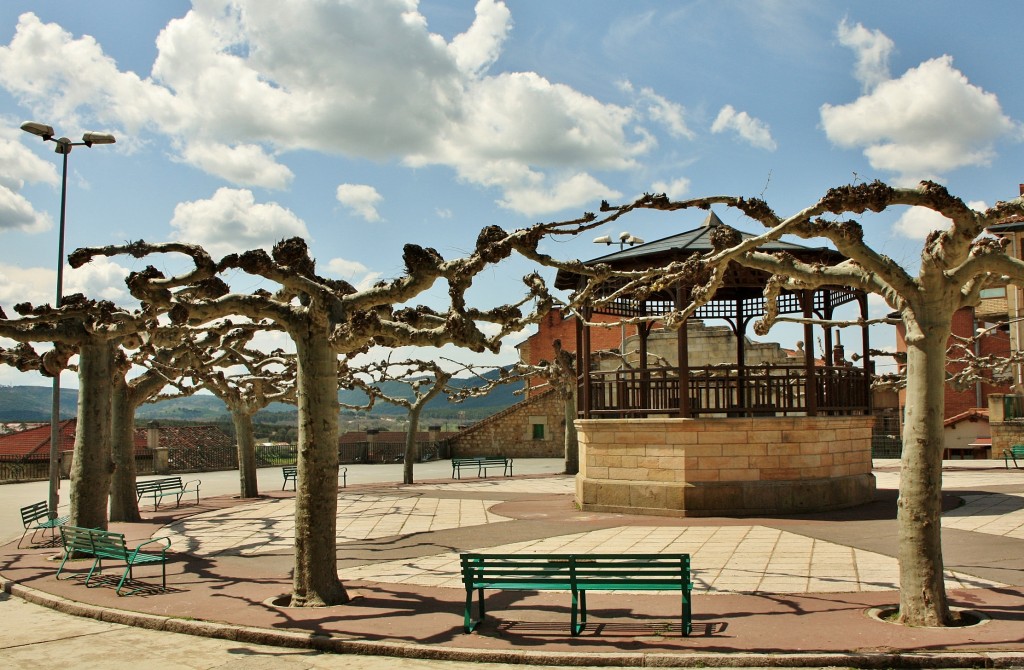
<point>165,540</point>
<point>197,482</point>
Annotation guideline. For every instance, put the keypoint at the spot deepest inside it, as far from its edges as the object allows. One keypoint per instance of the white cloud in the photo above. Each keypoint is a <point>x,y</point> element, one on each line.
<point>918,222</point>
<point>873,48</point>
<point>361,199</point>
<point>18,166</point>
<point>34,285</point>
<point>670,114</point>
<point>926,123</point>
<point>353,272</point>
<point>754,131</point>
<point>577,189</point>
<point>238,84</point>
<point>232,221</point>
<point>674,189</point>
<point>100,279</point>
<point>245,164</point>
<point>477,48</point>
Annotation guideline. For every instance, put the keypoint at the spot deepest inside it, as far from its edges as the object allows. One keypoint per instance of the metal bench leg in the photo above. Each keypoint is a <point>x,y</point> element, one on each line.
<point>687,615</point>
<point>469,624</point>
<point>579,606</point>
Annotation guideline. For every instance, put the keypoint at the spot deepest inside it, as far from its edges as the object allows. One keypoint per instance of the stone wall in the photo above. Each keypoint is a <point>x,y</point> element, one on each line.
<point>513,433</point>
<point>707,345</point>
<point>724,467</point>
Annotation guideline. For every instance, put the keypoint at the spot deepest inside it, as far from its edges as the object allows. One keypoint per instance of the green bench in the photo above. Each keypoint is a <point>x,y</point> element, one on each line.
<point>102,544</point>
<point>480,464</point>
<point>1013,453</point>
<point>291,474</point>
<point>577,573</point>
<point>158,489</point>
<point>36,517</point>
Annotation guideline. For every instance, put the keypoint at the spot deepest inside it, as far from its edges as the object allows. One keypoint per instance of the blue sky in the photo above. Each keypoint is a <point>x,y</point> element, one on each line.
<point>366,125</point>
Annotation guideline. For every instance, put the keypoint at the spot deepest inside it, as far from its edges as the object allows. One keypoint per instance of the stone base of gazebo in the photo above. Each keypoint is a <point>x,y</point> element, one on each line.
<point>724,467</point>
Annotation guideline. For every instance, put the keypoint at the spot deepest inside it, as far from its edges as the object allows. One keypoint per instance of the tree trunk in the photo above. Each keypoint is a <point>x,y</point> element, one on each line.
<point>410,443</point>
<point>922,590</point>
<point>248,486</point>
<point>93,465</point>
<point>316,582</point>
<point>124,503</point>
<point>572,443</point>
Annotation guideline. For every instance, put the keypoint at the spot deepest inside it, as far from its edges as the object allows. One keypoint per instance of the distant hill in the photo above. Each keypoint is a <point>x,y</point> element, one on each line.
<point>32,403</point>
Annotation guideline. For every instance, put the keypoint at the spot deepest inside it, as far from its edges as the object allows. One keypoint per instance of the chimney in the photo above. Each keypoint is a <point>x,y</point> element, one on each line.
<point>1022,189</point>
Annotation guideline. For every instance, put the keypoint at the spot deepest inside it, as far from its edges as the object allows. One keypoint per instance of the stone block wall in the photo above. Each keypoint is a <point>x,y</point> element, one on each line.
<point>511,432</point>
<point>724,467</point>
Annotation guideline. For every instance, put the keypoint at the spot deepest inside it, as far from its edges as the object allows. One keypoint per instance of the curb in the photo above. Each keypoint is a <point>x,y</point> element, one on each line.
<point>342,645</point>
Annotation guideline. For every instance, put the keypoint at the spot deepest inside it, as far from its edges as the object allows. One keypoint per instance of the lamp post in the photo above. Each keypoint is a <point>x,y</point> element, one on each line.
<point>624,239</point>
<point>64,146</point>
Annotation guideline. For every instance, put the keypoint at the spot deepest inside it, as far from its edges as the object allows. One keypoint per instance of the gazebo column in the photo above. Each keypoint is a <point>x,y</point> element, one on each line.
<point>740,329</point>
<point>810,386</point>
<point>643,331</point>
<point>584,363</point>
<point>862,299</point>
<point>683,357</point>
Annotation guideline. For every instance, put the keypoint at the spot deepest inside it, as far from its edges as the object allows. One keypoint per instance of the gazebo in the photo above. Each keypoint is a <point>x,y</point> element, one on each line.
<point>729,437</point>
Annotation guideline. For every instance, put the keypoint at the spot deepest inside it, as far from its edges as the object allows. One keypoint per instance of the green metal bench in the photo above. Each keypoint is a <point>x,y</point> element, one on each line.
<point>158,489</point>
<point>36,517</point>
<point>481,463</point>
<point>1013,453</point>
<point>290,474</point>
<point>101,544</point>
<point>577,573</point>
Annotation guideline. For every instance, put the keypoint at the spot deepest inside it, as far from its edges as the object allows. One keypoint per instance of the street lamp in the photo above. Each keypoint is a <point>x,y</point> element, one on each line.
<point>63,147</point>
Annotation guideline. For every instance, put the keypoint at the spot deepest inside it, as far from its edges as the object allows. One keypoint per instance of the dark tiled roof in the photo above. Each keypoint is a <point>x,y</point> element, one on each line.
<point>36,441</point>
<point>683,245</point>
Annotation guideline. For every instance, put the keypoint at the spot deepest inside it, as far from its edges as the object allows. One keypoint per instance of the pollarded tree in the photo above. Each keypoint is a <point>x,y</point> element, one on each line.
<point>246,379</point>
<point>151,352</point>
<point>94,330</point>
<point>422,380</point>
<point>956,265</point>
<point>325,318</point>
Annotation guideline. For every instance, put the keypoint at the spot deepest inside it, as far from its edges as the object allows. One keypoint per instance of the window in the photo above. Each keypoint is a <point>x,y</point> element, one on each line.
<point>538,431</point>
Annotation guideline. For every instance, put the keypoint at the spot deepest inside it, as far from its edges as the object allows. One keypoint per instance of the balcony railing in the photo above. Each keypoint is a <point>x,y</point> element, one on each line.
<point>722,391</point>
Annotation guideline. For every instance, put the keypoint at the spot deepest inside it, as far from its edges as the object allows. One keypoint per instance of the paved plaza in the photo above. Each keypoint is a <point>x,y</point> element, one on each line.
<point>780,587</point>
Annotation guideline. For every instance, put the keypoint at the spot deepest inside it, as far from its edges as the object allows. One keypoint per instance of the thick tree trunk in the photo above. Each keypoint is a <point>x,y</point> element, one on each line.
<point>316,580</point>
<point>124,504</point>
<point>248,486</point>
<point>410,443</point>
<point>93,465</point>
<point>572,443</point>
<point>922,590</point>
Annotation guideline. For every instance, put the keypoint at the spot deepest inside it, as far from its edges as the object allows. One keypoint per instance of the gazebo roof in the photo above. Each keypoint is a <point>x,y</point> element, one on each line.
<point>686,244</point>
<point>743,286</point>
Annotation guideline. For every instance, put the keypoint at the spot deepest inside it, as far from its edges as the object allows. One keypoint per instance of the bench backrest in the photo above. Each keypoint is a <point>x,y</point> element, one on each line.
<point>158,484</point>
<point>107,544</point>
<point>289,470</point>
<point>94,541</point>
<point>1017,449</point>
<point>577,570</point>
<point>76,539</point>
<point>35,512</point>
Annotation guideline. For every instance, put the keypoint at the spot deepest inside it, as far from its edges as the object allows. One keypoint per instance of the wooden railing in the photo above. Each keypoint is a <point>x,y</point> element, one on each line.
<point>766,390</point>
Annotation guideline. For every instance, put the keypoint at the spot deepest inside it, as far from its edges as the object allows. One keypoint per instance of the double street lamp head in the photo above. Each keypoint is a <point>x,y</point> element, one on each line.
<point>63,143</point>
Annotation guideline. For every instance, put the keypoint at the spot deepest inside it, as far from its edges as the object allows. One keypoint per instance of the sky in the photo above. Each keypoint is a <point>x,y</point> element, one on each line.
<point>363,126</point>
